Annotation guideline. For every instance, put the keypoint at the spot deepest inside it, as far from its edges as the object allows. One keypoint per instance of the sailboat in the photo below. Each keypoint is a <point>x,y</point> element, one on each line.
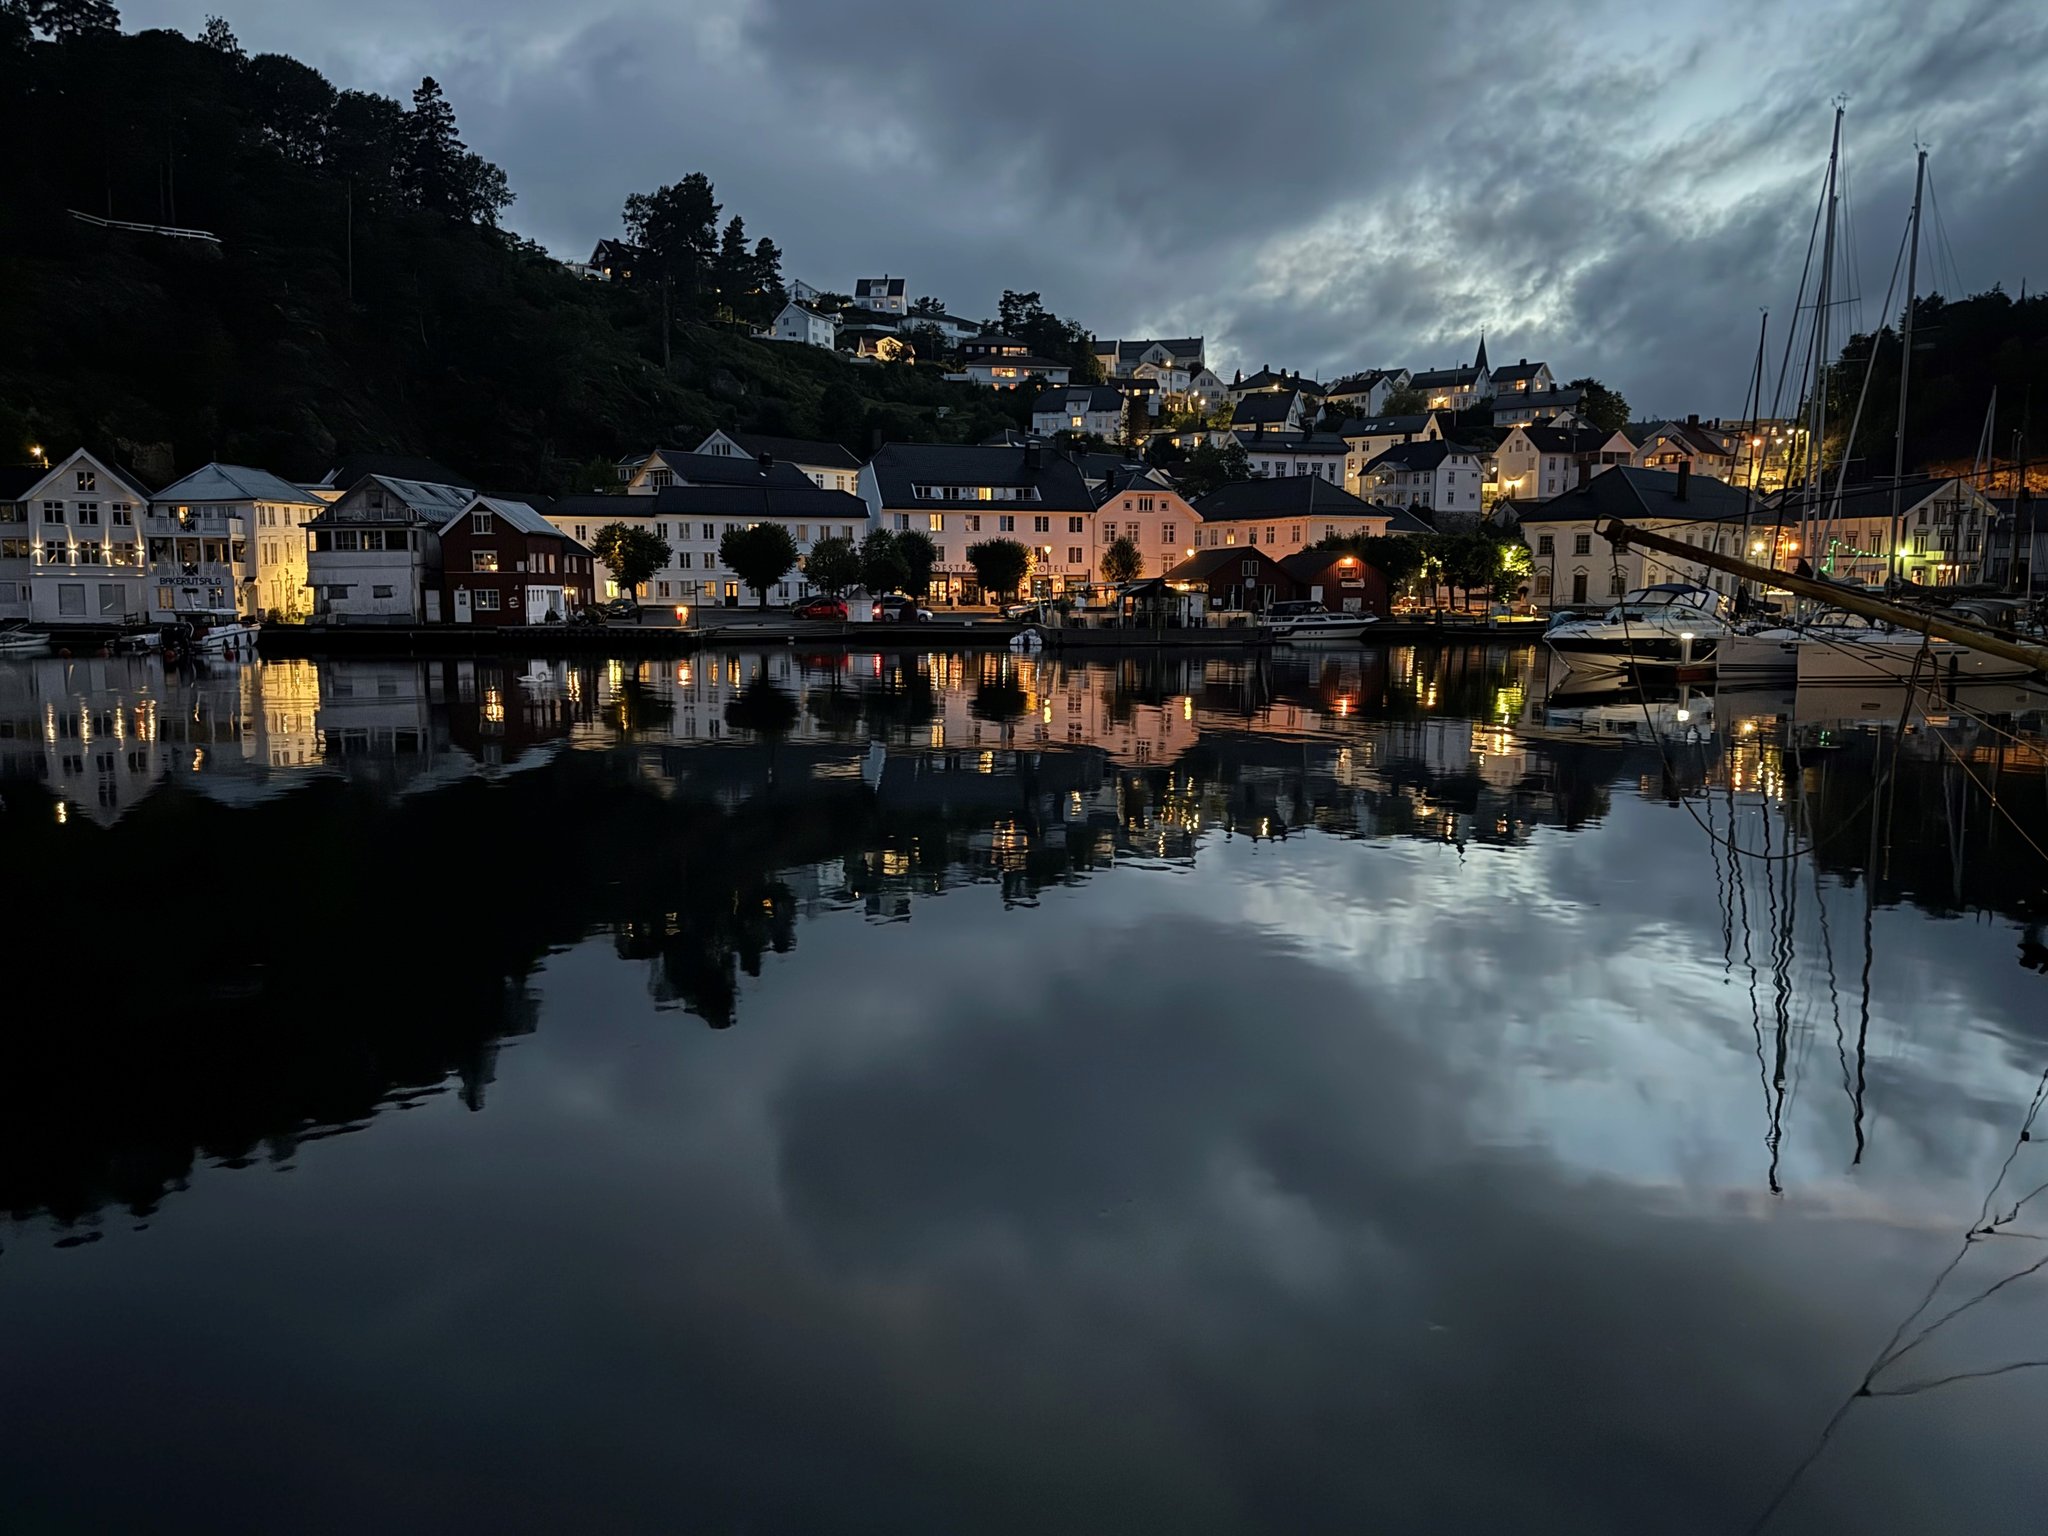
<point>1844,648</point>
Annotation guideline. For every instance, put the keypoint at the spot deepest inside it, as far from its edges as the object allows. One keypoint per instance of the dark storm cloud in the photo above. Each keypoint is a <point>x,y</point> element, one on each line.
<point>1311,183</point>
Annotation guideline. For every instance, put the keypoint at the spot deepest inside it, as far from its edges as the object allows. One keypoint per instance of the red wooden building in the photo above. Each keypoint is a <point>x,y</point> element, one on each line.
<point>1341,582</point>
<point>504,563</point>
<point>1242,576</point>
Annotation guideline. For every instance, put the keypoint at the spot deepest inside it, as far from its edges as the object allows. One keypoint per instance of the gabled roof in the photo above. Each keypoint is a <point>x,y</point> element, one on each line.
<point>1445,378</point>
<point>1293,441</point>
<point>1267,379</point>
<point>685,502</point>
<point>1206,563</point>
<point>236,482</point>
<point>1566,439</point>
<point>1695,436</point>
<point>1266,406</point>
<point>1127,477</point>
<point>1382,426</point>
<point>899,466</point>
<point>427,500</point>
<point>727,469</point>
<point>352,467</point>
<point>1363,382</point>
<point>793,450</point>
<point>1078,397</point>
<point>1186,348</point>
<point>1281,496</point>
<point>1416,457</point>
<point>1628,492</point>
<point>887,287</point>
<point>805,309</point>
<point>1509,372</point>
<point>515,513</point>
<point>100,461</point>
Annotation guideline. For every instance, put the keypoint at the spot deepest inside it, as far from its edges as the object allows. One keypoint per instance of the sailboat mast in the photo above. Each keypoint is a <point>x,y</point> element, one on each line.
<point>1756,443</point>
<point>1906,366</point>
<point>1822,301</point>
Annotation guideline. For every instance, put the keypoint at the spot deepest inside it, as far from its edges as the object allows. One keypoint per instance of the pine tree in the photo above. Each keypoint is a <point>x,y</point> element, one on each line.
<point>220,37</point>
<point>432,159</point>
<point>732,274</point>
<point>767,280</point>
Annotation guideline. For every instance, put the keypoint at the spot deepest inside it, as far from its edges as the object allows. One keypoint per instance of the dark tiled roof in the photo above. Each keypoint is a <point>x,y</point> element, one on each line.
<point>1185,348</point>
<point>1280,496</point>
<point>1700,438</point>
<point>730,469</point>
<point>1566,439</point>
<point>796,450</point>
<point>1271,405</point>
<point>1382,426</point>
<point>1092,397</point>
<point>1293,442</point>
<point>1509,372</point>
<point>1266,379</point>
<point>1061,487</point>
<point>1205,563</point>
<point>1444,378</point>
<point>352,467</point>
<point>1421,455</point>
<point>683,502</point>
<point>1627,492</point>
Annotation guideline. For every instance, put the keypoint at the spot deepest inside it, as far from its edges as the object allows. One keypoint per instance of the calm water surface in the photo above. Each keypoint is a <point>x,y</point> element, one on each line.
<point>973,1094</point>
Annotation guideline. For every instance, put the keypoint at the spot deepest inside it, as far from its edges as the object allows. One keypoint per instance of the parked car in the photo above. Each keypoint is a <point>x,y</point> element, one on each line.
<point>821,607</point>
<point>620,608</point>
<point>898,609</point>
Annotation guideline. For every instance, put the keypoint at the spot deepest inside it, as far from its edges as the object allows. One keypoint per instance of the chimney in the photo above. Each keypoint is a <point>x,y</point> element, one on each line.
<point>874,442</point>
<point>1693,420</point>
<point>1684,491</point>
<point>1031,456</point>
<point>767,463</point>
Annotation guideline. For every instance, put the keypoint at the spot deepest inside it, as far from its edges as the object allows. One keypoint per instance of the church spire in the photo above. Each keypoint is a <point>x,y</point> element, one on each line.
<point>1479,362</point>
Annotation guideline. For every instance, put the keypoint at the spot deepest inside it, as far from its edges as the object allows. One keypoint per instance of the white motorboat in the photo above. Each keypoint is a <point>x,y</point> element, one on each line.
<point>224,636</point>
<point>1849,648</point>
<point>1873,653</point>
<point>1310,623</point>
<point>1670,625</point>
<point>17,639</point>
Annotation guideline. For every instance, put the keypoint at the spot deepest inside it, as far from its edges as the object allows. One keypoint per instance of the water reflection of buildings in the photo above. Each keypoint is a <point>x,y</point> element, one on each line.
<point>102,733</point>
<point>718,800</point>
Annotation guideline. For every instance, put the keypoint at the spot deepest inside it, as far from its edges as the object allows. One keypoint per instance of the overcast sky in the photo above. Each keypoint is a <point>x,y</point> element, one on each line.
<point>1313,184</point>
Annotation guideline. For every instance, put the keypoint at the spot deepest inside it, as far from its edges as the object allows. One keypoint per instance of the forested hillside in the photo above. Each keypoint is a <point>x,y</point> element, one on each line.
<point>1962,350</point>
<point>366,292</point>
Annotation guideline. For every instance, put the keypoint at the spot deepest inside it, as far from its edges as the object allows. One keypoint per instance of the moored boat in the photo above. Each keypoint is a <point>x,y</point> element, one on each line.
<point>1310,623</point>
<point>17,639</point>
<point>1667,626</point>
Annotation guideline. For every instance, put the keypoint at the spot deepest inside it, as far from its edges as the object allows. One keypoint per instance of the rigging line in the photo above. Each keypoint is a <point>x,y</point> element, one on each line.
<point>1863,1388</point>
<point>1955,271</point>
<point>1834,517</point>
<point>1912,1389</point>
<point>1991,795</point>
<point>1799,303</point>
<point>1960,1308</point>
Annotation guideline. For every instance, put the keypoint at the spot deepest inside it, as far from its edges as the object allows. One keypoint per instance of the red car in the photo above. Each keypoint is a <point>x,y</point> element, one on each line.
<point>821,608</point>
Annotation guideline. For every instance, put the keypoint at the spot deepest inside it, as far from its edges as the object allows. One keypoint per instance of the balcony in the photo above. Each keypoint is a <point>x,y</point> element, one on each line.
<point>195,522</point>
